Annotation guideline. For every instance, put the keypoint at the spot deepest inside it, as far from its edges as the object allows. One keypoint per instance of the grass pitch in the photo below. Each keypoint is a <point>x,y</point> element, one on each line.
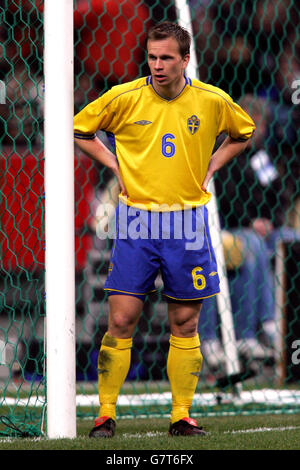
<point>264,432</point>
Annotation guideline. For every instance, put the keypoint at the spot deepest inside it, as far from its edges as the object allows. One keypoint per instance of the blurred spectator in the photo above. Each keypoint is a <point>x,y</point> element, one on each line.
<point>251,292</point>
<point>23,113</point>
<point>224,53</point>
<point>239,43</point>
<point>273,25</point>
<point>254,200</point>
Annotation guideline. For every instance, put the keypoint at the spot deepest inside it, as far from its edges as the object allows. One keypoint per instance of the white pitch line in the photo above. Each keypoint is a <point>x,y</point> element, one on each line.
<point>244,431</point>
<point>141,435</point>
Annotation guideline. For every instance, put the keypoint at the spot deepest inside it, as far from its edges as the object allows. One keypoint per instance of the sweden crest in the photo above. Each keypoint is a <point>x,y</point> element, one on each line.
<point>193,124</point>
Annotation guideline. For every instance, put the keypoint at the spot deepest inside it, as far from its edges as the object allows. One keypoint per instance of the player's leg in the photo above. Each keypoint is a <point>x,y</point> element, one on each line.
<point>132,271</point>
<point>114,359</point>
<point>184,364</point>
<point>189,272</point>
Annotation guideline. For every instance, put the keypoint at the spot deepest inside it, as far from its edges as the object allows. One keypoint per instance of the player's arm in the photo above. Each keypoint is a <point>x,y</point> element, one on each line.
<point>97,115</point>
<point>239,127</point>
<point>228,150</point>
<point>96,150</point>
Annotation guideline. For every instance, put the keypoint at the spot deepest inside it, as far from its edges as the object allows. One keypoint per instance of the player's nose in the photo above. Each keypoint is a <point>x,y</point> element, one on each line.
<point>158,65</point>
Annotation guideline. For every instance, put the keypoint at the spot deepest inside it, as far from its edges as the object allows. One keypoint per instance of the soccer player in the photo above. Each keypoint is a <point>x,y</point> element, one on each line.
<point>164,128</point>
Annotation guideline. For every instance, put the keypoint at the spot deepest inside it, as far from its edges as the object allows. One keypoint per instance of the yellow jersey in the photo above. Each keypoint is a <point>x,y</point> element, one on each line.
<point>163,146</point>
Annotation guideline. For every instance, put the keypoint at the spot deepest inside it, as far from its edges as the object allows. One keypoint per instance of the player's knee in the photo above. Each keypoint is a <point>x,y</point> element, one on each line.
<point>121,325</point>
<point>184,319</point>
<point>185,327</point>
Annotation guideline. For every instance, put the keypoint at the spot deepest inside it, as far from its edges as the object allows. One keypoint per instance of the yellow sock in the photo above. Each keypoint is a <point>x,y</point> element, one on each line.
<point>183,368</point>
<point>113,365</point>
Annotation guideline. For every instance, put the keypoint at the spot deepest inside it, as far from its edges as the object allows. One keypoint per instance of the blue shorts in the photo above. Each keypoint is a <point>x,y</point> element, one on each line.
<point>175,244</point>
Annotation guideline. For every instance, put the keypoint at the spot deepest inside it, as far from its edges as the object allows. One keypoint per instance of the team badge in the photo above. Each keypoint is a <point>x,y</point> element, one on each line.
<point>193,124</point>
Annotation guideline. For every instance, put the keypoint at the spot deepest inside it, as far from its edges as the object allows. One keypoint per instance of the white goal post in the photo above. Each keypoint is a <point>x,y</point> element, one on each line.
<point>59,219</point>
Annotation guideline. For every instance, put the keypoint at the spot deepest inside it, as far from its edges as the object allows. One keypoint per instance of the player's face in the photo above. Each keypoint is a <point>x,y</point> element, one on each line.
<point>166,65</point>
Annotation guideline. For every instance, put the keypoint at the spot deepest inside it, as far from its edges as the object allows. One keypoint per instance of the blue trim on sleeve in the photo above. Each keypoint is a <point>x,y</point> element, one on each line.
<point>84,136</point>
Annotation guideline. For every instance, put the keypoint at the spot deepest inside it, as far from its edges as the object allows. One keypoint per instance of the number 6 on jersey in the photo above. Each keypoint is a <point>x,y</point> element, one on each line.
<point>168,147</point>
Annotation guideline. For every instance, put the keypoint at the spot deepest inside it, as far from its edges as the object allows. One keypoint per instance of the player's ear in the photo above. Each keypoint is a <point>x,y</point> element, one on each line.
<point>186,60</point>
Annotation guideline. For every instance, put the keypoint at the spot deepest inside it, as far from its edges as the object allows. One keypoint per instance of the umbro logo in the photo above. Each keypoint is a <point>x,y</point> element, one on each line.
<point>142,122</point>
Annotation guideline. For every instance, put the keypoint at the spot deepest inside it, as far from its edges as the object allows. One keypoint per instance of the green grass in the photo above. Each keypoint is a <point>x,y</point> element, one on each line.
<point>151,434</point>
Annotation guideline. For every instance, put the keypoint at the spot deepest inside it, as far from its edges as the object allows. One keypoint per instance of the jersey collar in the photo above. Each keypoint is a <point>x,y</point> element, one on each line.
<point>149,81</point>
